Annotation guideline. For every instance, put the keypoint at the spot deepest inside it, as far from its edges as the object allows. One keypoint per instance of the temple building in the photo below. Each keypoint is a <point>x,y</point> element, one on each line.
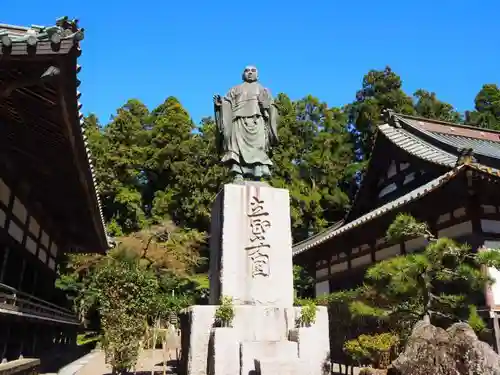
<point>48,196</point>
<point>444,174</point>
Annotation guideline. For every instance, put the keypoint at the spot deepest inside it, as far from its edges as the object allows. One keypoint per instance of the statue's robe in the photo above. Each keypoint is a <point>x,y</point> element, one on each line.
<point>246,121</point>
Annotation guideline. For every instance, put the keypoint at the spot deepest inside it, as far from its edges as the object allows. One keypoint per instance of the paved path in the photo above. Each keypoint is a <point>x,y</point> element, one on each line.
<point>95,365</point>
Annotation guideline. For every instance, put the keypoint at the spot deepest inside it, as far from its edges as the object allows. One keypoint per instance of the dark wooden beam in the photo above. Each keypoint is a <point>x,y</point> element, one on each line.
<point>6,88</point>
<point>45,48</point>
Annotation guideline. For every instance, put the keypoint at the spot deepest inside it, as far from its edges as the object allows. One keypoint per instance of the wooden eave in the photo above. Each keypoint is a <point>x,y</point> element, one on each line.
<point>43,138</point>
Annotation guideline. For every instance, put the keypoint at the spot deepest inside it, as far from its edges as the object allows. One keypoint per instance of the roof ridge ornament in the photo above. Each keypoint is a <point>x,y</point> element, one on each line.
<point>465,157</point>
<point>389,117</point>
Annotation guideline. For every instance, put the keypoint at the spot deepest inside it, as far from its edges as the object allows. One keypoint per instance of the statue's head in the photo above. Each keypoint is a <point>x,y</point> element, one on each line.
<point>250,74</point>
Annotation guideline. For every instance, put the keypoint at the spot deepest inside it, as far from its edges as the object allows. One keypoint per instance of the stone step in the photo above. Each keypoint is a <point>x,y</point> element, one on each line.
<point>283,367</point>
<point>252,353</point>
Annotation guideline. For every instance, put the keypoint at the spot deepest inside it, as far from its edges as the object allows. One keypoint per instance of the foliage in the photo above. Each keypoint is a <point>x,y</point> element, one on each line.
<point>429,106</point>
<point>343,324</point>
<point>123,293</point>
<point>380,90</point>
<point>487,108</point>
<point>303,283</point>
<point>440,285</point>
<point>373,349</point>
<point>225,312</point>
<point>88,338</point>
<point>307,314</point>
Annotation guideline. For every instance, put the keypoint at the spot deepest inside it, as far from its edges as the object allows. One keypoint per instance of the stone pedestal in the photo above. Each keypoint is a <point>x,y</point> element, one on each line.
<point>258,334</point>
<point>251,246</point>
<point>251,262</point>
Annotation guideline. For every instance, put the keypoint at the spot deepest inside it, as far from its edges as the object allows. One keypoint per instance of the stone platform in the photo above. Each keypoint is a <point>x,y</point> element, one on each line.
<point>260,337</point>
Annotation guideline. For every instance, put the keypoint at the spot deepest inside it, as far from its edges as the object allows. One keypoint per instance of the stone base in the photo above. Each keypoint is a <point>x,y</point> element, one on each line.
<point>251,246</point>
<point>261,338</point>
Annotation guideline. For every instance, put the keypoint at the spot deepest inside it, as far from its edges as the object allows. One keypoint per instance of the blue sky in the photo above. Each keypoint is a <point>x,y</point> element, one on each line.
<point>192,49</point>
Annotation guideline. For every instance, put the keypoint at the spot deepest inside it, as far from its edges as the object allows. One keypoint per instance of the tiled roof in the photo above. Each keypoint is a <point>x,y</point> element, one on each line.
<point>65,28</point>
<point>401,201</point>
<point>417,147</point>
<point>452,136</point>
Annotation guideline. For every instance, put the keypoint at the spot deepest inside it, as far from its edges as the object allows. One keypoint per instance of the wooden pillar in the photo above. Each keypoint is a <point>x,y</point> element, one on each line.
<point>4,264</point>
<point>22,332</point>
<point>35,279</point>
<point>21,275</point>
<point>6,342</point>
<point>496,330</point>
<point>33,344</point>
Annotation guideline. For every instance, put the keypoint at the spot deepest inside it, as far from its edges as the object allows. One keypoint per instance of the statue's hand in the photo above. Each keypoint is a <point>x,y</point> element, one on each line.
<point>217,100</point>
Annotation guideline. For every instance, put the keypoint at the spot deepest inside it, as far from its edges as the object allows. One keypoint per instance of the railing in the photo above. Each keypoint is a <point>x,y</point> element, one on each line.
<point>26,366</point>
<point>13,301</point>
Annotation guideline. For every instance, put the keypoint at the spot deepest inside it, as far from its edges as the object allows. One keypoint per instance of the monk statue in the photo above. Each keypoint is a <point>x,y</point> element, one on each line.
<point>246,126</point>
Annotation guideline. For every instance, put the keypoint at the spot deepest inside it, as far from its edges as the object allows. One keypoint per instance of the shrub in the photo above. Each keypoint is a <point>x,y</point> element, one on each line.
<point>373,349</point>
<point>307,314</point>
<point>224,314</point>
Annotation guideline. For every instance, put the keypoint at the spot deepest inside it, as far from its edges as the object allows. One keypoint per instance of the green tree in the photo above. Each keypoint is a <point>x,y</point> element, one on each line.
<point>381,89</point>
<point>441,285</point>
<point>303,283</point>
<point>119,154</point>
<point>314,161</point>
<point>429,106</point>
<point>487,108</point>
<point>123,293</point>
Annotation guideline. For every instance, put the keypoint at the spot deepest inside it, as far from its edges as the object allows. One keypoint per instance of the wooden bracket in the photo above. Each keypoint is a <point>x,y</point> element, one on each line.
<point>7,88</point>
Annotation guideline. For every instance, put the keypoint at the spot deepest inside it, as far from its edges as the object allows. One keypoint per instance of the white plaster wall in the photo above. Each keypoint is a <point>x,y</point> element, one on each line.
<point>15,231</point>
<point>3,217</point>
<point>495,287</point>
<point>4,193</point>
<point>392,170</point>
<point>321,272</point>
<point>490,226</point>
<point>322,288</point>
<point>415,244</point>
<point>388,189</point>
<point>19,211</point>
<point>409,178</point>
<point>361,261</point>
<point>388,252</point>
<point>339,267</point>
<point>30,245</point>
<point>34,227</point>
<point>457,230</point>
<point>45,239</point>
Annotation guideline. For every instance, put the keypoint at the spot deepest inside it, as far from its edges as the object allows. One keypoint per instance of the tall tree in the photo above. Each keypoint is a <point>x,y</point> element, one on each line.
<point>119,164</point>
<point>381,89</point>
<point>314,159</point>
<point>487,108</point>
<point>429,106</point>
<point>183,171</point>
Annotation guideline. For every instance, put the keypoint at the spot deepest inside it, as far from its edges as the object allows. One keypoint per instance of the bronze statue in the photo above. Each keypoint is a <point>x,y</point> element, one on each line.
<point>246,121</point>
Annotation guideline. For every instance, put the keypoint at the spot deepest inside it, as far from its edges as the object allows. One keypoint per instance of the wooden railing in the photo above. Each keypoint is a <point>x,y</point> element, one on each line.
<point>25,366</point>
<point>13,301</point>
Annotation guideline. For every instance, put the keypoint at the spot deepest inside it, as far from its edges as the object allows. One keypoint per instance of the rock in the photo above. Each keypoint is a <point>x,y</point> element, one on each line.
<point>456,351</point>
